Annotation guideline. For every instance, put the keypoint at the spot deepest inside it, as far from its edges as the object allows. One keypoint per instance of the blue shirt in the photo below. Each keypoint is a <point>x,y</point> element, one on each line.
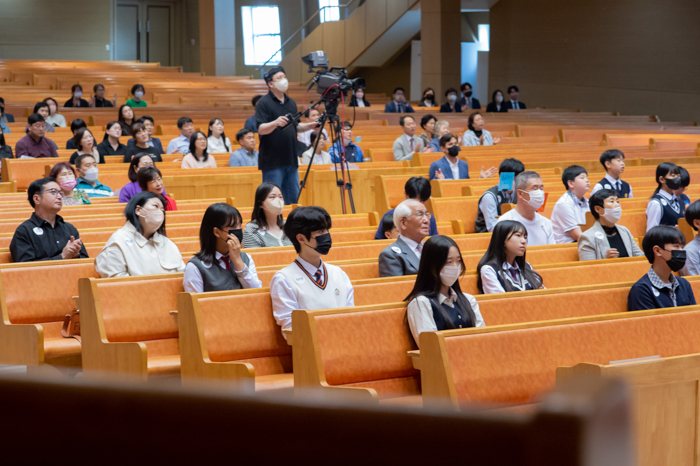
<point>100,190</point>
<point>353,153</point>
<point>652,294</point>
<point>251,124</point>
<point>435,144</point>
<point>380,233</point>
<point>5,128</point>
<point>242,158</point>
<point>180,143</point>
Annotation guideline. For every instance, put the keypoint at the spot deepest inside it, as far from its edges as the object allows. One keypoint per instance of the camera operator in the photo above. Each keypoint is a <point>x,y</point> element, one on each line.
<point>278,159</point>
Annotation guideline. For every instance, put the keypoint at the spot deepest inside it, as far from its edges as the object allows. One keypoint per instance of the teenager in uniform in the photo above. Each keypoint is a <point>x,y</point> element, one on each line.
<point>665,208</point>
<point>570,210</point>
<point>491,201</point>
<point>613,161</point>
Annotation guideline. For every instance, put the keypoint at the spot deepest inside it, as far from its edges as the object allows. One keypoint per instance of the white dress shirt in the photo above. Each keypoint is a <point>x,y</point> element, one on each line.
<point>568,214</point>
<point>613,184</point>
<point>413,245</point>
<point>420,313</point>
<point>539,230</point>
<point>692,261</point>
<point>454,167</point>
<point>248,276</point>
<point>655,211</point>
<point>216,145</point>
<point>491,284</point>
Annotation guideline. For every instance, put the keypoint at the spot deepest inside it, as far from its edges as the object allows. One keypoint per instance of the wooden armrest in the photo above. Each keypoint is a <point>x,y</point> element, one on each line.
<point>288,333</point>
<point>174,314</point>
<point>415,358</point>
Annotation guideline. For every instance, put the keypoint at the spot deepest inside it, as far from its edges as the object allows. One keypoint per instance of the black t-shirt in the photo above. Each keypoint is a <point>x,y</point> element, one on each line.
<point>103,103</point>
<point>279,148</point>
<point>83,103</point>
<point>105,148</point>
<point>37,240</point>
<point>133,150</point>
<point>615,241</point>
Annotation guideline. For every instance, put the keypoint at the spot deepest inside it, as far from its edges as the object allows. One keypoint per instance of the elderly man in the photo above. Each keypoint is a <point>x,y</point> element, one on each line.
<point>34,144</point>
<point>408,143</point>
<point>412,220</point>
<point>530,191</point>
<point>45,236</point>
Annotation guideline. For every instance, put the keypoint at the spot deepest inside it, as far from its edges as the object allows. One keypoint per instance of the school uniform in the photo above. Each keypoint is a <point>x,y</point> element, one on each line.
<point>510,277</point>
<point>692,257</point>
<point>664,209</point>
<point>568,214</point>
<point>651,293</point>
<point>301,285</point>
<point>685,200</point>
<point>622,188</point>
<point>203,276</point>
<point>490,205</point>
<point>425,316</point>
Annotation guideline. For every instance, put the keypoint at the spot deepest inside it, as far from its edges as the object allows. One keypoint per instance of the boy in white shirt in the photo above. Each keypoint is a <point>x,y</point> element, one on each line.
<point>530,189</point>
<point>308,282</point>
<point>569,212</point>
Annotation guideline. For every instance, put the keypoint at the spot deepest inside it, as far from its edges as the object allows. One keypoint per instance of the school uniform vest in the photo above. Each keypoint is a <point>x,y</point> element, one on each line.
<point>504,276</point>
<point>333,293</point>
<point>217,278</point>
<point>669,216</point>
<point>456,315</point>
<point>480,222</point>
<point>624,192</point>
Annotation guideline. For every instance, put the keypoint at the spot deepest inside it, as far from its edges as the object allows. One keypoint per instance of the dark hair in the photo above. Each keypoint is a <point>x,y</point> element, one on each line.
<point>193,145</point>
<point>35,118</point>
<point>610,155</point>
<point>74,87</point>
<point>59,167</point>
<point>387,224</point>
<point>470,121</point>
<point>133,174</point>
<point>96,86</point>
<point>216,216</point>
<point>223,134</point>
<point>426,118</point>
<point>81,157</point>
<point>450,90</point>
<point>78,136</point>
<point>398,89</point>
<point>2,138</point>
<point>270,74</point>
<point>182,121</point>
<point>666,168</point>
<point>146,175</point>
<point>136,128</point>
<point>145,118</point>
<point>685,177</point>
<point>513,88</point>
<point>109,126</point>
<point>136,87</point>
<point>661,236</point>
<point>692,212</point>
<point>493,96</point>
<point>598,200</point>
<point>241,133</point>
<point>464,85</point>
<point>445,138</point>
<point>305,220</point>
<point>570,174</point>
<point>126,127</point>
<point>347,124</point>
<point>428,283</point>
<point>419,187</point>
<point>139,200</point>
<point>314,135</point>
<point>496,255</point>
<point>255,100</point>
<point>39,105</point>
<point>36,188</point>
<point>402,120</point>
<point>46,101</point>
<point>258,214</point>
<point>76,124</point>
<point>511,166</point>
<point>426,90</point>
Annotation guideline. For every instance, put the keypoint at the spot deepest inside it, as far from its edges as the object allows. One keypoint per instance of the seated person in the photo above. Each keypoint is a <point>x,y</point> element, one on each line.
<point>151,180</point>
<point>408,143</point>
<point>665,208</point>
<point>138,162</point>
<point>468,102</point>
<point>220,264</point>
<point>513,103</point>
<point>5,149</point>
<point>140,133</point>
<point>321,157</point>
<point>84,141</point>
<point>451,106</point>
<point>266,226</point>
<point>66,177</point>
<point>442,127</point>
<point>476,135</point>
<point>491,201</point>
<point>141,246</point>
<point>504,268</point>
<point>569,212</point>
<point>126,118</point>
<point>5,117</point>
<point>34,144</point>
<point>87,177</point>
<point>137,90</point>
<point>659,287</point>
<point>398,104</point>
<point>680,192</point>
<point>450,167</point>
<point>441,304</point>
<point>198,157</point>
<point>530,196</point>
<point>251,123</point>
<point>110,145</point>
<point>45,236</point>
<point>613,161</point>
<point>42,108</point>
<point>76,99</point>
<point>99,99</point>
<point>496,102</point>
<point>75,125</point>
<point>428,99</point>
<point>417,188</point>
<point>181,144</point>
<point>217,142</point>
<point>246,156</point>
<point>428,134</point>
<point>353,152</point>
<point>150,125</point>
<point>305,136</point>
<point>692,249</point>
<point>605,239</point>
<point>358,99</point>
<point>308,282</point>
<point>388,228</point>
<point>403,256</point>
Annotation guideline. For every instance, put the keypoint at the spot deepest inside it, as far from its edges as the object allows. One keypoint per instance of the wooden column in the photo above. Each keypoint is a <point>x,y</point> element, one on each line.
<point>441,49</point>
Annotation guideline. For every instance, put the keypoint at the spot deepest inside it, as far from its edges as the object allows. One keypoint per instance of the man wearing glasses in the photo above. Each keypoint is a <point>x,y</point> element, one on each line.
<point>34,144</point>
<point>45,236</point>
<point>403,257</point>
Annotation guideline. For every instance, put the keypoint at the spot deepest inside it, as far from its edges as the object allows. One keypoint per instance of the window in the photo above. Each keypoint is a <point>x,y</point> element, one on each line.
<point>329,14</point>
<point>261,34</point>
<point>483,38</point>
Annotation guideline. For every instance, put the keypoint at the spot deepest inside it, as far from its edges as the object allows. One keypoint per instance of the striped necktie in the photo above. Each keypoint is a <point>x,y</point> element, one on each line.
<point>317,277</point>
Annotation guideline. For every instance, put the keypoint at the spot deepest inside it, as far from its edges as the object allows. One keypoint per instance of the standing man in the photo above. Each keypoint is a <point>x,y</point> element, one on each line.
<point>468,102</point>
<point>278,157</point>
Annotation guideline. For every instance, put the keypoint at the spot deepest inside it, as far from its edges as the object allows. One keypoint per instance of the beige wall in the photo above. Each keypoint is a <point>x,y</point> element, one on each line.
<point>396,73</point>
<point>634,56</point>
<point>55,29</point>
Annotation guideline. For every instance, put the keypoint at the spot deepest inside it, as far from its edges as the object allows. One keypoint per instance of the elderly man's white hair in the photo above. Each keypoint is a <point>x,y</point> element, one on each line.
<point>403,210</point>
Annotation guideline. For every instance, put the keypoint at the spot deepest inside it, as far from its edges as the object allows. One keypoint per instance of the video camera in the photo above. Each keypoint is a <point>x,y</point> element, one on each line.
<point>336,79</point>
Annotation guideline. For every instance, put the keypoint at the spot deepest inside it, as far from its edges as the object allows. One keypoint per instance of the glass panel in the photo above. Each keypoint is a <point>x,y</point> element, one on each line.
<point>261,34</point>
<point>329,14</point>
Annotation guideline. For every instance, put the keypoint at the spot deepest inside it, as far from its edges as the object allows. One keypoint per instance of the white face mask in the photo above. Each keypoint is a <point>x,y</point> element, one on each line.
<point>499,99</point>
<point>536,198</point>
<point>138,94</point>
<point>613,215</point>
<point>449,274</point>
<point>282,85</point>
<point>275,206</point>
<point>452,97</point>
<point>153,219</point>
<point>78,94</point>
<point>91,174</point>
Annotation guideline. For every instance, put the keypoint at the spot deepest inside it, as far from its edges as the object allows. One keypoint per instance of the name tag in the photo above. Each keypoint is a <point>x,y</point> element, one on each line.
<point>38,231</point>
<point>299,280</point>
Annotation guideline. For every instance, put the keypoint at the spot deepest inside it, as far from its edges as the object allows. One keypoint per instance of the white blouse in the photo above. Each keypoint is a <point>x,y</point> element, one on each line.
<point>128,253</point>
<point>216,145</point>
<point>420,313</point>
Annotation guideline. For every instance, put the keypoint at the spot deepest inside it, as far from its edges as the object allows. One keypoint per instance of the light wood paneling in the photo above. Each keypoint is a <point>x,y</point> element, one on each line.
<point>394,10</point>
<point>355,33</point>
<point>334,42</point>
<point>375,23</point>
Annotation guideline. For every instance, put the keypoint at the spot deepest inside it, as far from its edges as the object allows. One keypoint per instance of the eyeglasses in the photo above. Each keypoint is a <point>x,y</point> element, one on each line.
<point>53,192</point>
<point>421,214</point>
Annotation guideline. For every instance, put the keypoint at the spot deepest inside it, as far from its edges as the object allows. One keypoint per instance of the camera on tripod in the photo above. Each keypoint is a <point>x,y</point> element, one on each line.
<point>330,83</point>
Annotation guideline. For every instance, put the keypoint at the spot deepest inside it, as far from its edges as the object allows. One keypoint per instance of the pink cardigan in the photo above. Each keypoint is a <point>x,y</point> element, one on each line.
<point>189,161</point>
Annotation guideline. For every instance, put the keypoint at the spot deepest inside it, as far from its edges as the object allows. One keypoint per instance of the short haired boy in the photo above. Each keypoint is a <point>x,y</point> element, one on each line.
<point>692,249</point>
<point>570,210</point>
<point>308,282</point>
<point>685,182</point>
<point>659,287</point>
<point>613,161</point>
<point>491,201</point>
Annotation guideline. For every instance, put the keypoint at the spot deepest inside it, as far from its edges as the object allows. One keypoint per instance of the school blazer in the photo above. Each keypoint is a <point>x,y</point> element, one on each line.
<point>444,165</point>
<point>593,244</point>
<point>398,260</point>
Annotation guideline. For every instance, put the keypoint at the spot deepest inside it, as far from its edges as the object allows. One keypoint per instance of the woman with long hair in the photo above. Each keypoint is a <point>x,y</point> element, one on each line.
<point>217,142</point>
<point>84,141</point>
<point>55,119</point>
<point>110,144</point>
<point>503,268</point>
<point>428,98</point>
<point>199,156</point>
<point>126,117</point>
<point>436,301</point>
<point>665,208</point>
<point>496,102</point>
<point>220,264</point>
<point>265,228</point>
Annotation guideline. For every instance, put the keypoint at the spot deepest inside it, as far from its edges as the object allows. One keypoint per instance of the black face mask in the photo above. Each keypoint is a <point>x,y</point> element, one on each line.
<point>673,183</point>
<point>238,233</point>
<point>453,151</point>
<point>468,94</point>
<point>677,261</point>
<point>430,97</point>
<point>323,244</point>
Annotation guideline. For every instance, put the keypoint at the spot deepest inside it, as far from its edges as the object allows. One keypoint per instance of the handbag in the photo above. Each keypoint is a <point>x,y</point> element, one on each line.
<point>71,325</point>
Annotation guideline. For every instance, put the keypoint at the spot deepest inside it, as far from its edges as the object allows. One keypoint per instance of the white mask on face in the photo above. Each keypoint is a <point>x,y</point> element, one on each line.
<point>153,219</point>
<point>613,215</point>
<point>91,174</point>
<point>449,274</point>
<point>282,85</point>
<point>499,99</point>
<point>452,97</point>
<point>78,94</point>
<point>536,198</point>
<point>138,94</point>
<point>275,206</point>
